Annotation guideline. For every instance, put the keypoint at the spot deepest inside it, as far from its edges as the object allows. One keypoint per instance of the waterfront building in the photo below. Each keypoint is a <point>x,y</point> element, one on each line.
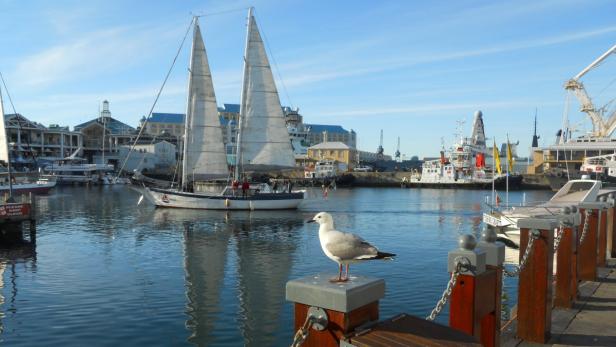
<point>318,133</point>
<point>159,123</point>
<point>301,135</point>
<point>31,142</point>
<point>108,129</point>
<point>336,151</point>
<point>157,157</point>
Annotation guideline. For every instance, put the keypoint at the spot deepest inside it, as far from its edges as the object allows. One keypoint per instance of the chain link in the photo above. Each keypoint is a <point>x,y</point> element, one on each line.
<point>302,334</point>
<point>587,216</point>
<point>559,236</point>
<point>524,261</point>
<point>461,264</point>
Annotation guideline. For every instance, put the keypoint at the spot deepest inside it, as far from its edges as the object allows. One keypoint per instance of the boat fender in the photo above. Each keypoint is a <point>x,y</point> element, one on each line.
<point>227,203</point>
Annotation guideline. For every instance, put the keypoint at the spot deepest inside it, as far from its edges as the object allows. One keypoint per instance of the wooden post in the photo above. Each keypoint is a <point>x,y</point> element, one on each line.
<point>469,310</point>
<point>611,227</point>
<point>566,268</point>
<point>347,305</point>
<point>587,250</point>
<point>495,256</point>
<point>535,280</point>
<point>602,236</point>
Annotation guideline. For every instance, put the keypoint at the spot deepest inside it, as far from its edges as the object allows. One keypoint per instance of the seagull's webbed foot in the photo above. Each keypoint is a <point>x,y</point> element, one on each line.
<point>339,279</point>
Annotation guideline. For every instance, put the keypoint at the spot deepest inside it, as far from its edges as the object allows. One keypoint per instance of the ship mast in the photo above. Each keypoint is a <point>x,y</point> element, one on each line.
<point>238,151</point>
<point>184,179</point>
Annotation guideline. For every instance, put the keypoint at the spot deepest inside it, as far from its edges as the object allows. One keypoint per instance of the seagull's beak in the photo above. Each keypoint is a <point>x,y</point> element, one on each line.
<point>310,221</point>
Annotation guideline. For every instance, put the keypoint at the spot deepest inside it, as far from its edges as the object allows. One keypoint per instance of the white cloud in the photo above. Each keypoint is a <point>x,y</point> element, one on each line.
<point>432,108</point>
<point>90,55</point>
<point>317,73</point>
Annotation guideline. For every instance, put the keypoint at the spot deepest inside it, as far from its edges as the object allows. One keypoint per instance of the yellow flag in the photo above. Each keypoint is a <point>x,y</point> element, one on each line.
<point>497,163</point>
<point>509,156</point>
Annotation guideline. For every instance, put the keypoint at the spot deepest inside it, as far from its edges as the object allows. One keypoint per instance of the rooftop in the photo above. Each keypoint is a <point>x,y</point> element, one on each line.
<point>167,118</point>
<point>330,145</point>
<point>332,129</point>
<point>233,108</point>
<point>112,125</point>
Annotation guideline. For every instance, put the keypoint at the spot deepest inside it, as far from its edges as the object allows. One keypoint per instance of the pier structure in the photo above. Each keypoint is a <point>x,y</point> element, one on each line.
<point>567,301</point>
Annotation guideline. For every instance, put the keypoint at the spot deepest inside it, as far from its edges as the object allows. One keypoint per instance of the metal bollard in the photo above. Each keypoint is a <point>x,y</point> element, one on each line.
<point>535,282</point>
<point>611,226</point>
<point>469,310</point>
<point>602,233</point>
<point>566,266</point>
<point>345,305</point>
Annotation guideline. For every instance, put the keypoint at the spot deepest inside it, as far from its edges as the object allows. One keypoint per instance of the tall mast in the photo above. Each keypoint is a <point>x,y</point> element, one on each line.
<point>184,181</point>
<point>104,130</point>
<point>238,151</point>
<point>6,146</point>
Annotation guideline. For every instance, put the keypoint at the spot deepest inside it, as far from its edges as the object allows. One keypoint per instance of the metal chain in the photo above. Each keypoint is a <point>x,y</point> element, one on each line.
<point>586,225</point>
<point>559,236</point>
<point>461,263</point>
<point>524,261</point>
<point>302,334</point>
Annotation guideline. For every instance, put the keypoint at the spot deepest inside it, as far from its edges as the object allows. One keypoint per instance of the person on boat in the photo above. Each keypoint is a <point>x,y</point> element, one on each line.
<point>235,186</point>
<point>245,188</point>
<point>289,186</point>
<point>275,187</point>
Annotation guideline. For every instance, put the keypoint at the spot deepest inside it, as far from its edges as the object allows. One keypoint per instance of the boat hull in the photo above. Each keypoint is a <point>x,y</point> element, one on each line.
<point>267,201</point>
<point>515,182</point>
<point>28,188</point>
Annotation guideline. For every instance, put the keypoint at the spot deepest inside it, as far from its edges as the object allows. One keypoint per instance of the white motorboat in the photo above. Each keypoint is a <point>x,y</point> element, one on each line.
<point>263,140</point>
<point>505,221</point>
<point>77,170</point>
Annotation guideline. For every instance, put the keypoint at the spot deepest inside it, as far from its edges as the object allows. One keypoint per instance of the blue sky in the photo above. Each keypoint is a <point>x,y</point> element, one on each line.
<point>411,68</point>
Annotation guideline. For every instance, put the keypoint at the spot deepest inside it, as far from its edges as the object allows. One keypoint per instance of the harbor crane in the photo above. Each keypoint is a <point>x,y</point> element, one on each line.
<point>602,126</point>
<point>398,150</point>
<point>380,150</point>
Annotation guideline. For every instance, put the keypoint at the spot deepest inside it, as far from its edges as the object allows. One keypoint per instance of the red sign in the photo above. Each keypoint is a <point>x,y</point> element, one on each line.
<point>14,210</point>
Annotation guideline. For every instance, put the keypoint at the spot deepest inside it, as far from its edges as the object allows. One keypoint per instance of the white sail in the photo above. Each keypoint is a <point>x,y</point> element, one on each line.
<point>204,152</point>
<point>264,140</point>
<point>4,147</point>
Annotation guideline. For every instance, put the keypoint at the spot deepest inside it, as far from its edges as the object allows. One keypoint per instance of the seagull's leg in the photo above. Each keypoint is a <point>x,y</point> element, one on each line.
<point>346,278</point>
<point>339,279</point>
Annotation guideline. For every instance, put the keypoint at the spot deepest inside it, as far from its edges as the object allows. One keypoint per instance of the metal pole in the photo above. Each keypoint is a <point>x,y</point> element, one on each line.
<point>8,152</point>
<point>188,117</point>
<point>493,176</point>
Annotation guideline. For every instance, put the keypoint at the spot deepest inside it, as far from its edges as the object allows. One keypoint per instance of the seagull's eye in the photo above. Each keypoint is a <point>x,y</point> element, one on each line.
<point>319,217</point>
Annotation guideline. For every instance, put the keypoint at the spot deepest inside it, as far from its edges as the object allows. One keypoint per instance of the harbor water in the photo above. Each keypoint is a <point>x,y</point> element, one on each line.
<point>108,272</point>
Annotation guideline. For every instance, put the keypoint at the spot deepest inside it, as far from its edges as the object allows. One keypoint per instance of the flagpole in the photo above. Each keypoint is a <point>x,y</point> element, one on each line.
<point>493,175</point>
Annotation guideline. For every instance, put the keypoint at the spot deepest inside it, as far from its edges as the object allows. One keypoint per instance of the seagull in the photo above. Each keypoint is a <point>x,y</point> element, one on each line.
<point>344,248</point>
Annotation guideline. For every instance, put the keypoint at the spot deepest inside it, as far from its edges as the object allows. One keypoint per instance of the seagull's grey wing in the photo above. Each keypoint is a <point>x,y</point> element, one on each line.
<point>347,246</point>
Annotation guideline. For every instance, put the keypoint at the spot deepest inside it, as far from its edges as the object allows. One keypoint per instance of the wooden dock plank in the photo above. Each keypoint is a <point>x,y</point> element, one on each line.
<point>408,330</point>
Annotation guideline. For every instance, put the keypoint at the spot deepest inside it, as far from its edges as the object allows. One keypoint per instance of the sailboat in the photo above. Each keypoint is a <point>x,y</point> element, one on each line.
<point>262,143</point>
<point>8,184</point>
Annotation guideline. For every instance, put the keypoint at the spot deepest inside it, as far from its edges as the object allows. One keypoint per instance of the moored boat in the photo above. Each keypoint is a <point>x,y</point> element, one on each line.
<point>262,145</point>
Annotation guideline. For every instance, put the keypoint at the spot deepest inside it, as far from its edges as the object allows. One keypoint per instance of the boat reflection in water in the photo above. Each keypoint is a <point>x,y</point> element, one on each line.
<point>253,248</point>
<point>10,258</point>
